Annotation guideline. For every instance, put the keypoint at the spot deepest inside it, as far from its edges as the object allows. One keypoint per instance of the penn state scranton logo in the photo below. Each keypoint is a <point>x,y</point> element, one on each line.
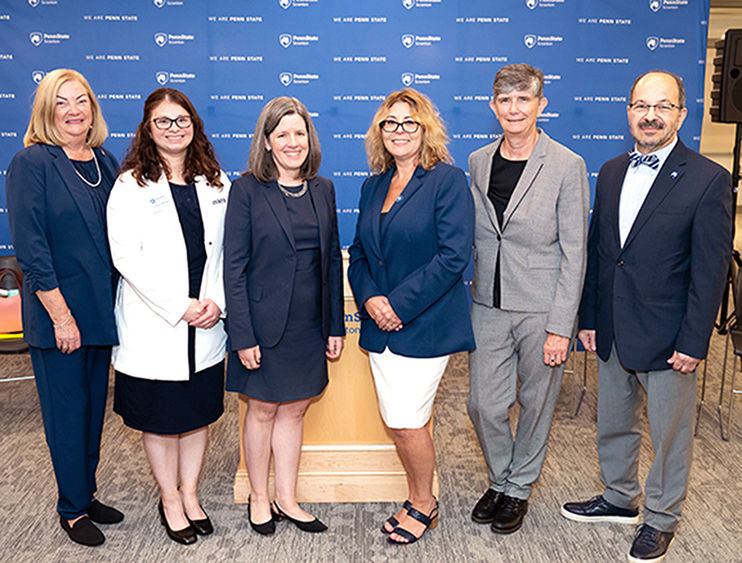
<point>408,78</point>
<point>652,42</point>
<point>532,4</point>
<point>162,77</point>
<point>529,40</point>
<point>286,78</point>
<point>285,40</point>
<point>408,4</point>
<point>655,5</point>
<point>36,38</point>
<point>285,4</point>
<point>33,3</point>
<point>159,3</point>
<point>408,40</point>
<point>37,75</point>
<point>160,39</point>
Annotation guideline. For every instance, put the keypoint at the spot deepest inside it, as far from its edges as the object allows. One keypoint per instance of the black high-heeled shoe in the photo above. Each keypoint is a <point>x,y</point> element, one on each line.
<point>186,536</point>
<point>313,526</point>
<point>202,527</point>
<point>265,528</point>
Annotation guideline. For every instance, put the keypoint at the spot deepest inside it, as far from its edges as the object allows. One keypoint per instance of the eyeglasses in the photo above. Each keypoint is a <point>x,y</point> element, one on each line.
<point>642,108</point>
<point>391,126</point>
<point>183,122</point>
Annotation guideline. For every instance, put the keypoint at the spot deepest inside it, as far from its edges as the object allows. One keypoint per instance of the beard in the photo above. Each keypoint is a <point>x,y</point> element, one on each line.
<point>666,134</point>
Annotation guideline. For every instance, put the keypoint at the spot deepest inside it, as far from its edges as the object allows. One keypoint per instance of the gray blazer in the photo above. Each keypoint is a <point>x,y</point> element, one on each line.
<point>542,241</point>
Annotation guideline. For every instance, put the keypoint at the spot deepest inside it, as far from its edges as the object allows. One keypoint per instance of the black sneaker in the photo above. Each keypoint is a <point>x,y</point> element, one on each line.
<point>509,517</point>
<point>597,509</point>
<point>650,545</point>
<point>486,507</point>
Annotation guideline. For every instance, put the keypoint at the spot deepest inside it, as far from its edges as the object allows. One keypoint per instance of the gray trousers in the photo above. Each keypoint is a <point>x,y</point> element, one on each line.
<point>670,398</point>
<point>510,350</point>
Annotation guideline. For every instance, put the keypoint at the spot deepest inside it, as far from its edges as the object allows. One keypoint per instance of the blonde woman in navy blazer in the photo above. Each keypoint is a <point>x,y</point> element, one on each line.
<point>413,242</point>
<point>57,189</point>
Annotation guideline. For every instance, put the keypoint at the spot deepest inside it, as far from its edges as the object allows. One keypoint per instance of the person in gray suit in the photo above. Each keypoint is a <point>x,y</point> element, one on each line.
<point>531,197</point>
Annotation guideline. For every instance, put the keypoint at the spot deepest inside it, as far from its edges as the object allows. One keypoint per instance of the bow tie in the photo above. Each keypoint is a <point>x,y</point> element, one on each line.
<point>636,158</point>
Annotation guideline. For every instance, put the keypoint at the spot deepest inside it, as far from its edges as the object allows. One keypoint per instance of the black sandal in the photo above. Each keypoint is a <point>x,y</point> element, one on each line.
<point>430,521</point>
<point>392,520</point>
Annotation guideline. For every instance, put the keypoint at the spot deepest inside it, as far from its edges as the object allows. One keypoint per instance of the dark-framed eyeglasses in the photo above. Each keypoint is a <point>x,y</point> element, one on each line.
<point>391,126</point>
<point>183,122</point>
<point>640,108</point>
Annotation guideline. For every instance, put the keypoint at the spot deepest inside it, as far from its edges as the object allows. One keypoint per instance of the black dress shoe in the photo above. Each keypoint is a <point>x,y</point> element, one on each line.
<point>202,527</point>
<point>597,509</point>
<point>186,536</point>
<point>486,507</point>
<point>313,526</point>
<point>102,514</point>
<point>267,528</point>
<point>650,545</point>
<point>83,531</point>
<point>509,517</point>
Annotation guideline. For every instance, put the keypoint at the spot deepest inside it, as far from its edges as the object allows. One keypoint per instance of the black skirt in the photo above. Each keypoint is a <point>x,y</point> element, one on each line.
<point>170,407</point>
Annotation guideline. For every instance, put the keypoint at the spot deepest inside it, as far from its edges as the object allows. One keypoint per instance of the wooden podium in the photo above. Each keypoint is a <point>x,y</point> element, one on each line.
<point>348,454</point>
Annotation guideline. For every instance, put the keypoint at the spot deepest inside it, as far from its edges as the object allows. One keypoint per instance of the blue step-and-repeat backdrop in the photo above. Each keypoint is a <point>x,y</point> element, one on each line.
<point>341,58</point>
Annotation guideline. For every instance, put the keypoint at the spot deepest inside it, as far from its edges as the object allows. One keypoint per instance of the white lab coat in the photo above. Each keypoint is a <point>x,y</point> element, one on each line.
<point>149,251</point>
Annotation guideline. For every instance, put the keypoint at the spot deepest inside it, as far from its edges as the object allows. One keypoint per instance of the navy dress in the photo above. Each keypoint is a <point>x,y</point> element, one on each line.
<point>296,367</point>
<point>175,407</point>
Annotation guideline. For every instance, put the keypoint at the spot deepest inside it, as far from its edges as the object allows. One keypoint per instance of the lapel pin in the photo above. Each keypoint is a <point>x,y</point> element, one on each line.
<point>674,174</point>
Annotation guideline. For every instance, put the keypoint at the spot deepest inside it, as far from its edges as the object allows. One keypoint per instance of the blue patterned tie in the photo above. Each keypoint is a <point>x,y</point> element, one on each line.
<point>636,158</point>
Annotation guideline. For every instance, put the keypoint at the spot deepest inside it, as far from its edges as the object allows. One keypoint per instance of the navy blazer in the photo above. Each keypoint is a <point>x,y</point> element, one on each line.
<point>59,242</point>
<point>661,291</point>
<point>416,258</point>
<point>260,261</point>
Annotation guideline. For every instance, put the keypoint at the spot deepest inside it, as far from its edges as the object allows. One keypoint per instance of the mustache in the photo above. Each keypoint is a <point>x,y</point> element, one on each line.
<point>653,123</point>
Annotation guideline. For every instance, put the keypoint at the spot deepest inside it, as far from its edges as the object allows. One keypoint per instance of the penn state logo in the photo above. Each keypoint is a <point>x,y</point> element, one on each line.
<point>285,4</point>
<point>162,77</point>
<point>408,78</point>
<point>529,40</point>
<point>160,39</point>
<point>409,4</point>
<point>36,38</point>
<point>531,4</point>
<point>285,40</point>
<point>33,3</point>
<point>408,40</point>
<point>159,3</point>
<point>655,5</point>
<point>37,75</point>
<point>652,42</point>
<point>286,78</point>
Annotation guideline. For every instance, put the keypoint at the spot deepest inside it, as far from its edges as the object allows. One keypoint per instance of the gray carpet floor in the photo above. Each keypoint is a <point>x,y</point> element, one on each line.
<point>710,530</point>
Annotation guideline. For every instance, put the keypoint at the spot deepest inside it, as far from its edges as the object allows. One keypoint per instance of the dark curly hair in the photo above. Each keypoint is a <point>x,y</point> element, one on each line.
<point>145,161</point>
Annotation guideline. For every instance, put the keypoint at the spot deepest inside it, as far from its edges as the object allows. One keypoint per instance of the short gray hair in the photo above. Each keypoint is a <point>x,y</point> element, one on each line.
<point>519,76</point>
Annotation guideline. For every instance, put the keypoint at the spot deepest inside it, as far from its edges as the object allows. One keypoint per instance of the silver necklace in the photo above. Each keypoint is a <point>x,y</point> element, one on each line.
<point>97,167</point>
<point>289,193</point>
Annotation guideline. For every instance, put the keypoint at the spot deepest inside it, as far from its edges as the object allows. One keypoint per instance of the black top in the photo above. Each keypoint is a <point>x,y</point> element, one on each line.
<point>303,218</point>
<point>504,176</point>
<point>98,194</point>
<point>189,213</point>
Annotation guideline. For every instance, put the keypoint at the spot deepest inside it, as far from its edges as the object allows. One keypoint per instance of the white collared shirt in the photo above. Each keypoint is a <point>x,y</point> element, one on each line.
<point>636,185</point>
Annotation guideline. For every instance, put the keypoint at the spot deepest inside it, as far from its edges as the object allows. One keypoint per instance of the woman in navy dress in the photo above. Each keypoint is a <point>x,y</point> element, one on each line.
<point>57,189</point>
<point>165,225</point>
<point>283,278</point>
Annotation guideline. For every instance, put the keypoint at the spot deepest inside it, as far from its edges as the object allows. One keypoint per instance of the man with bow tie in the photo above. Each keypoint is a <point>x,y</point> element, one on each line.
<point>659,247</point>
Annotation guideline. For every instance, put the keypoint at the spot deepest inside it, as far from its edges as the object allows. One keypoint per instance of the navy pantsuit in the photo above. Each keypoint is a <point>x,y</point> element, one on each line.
<point>60,242</point>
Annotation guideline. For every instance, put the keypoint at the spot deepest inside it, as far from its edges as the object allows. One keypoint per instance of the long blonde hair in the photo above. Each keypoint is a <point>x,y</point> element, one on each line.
<point>433,149</point>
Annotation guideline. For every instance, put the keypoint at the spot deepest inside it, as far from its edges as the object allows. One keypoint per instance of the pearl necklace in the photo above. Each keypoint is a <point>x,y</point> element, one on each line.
<point>97,168</point>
